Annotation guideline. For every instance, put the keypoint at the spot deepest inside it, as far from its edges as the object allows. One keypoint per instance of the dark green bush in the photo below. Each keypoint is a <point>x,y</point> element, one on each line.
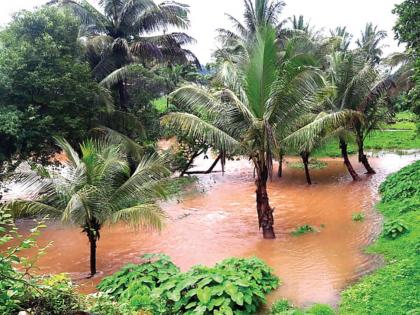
<point>234,286</point>
<point>139,279</point>
<point>402,185</point>
<point>394,229</point>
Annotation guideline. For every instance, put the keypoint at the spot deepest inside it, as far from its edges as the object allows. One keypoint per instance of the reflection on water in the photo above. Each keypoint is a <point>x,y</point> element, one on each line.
<point>207,227</point>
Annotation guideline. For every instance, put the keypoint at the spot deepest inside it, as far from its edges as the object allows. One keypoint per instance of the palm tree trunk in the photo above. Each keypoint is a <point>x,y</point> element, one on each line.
<point>264,211</point>
<point>305,159</point>
<point>92,242</point>
<point>122,93</point>
<point>362,156</point>
<point>344,154</point>
<point>195,155</point>
<point>280,169</point>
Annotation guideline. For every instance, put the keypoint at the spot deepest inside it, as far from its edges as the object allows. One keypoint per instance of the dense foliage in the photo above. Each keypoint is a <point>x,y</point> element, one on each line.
<point>46,89</point>
<point>393,289</point>
<point>233,286</point>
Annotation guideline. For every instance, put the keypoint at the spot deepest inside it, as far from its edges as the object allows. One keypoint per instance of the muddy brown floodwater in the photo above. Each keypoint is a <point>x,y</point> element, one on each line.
<point>220,221</point>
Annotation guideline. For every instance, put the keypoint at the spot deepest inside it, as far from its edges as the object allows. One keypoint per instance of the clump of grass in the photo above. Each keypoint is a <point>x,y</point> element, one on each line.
<point>304,229</point>
<point>358,217</point>
<point>313,164</point>
<point>284,307</point>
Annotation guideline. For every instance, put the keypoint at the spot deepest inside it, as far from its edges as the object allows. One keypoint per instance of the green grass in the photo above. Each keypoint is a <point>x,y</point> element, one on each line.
<point>398,136</point>
<point>393,289</point>
<point>378,140</point>
<point>304,229</point>
<point>313,164</point>
<point>161,104</point>
<point>283,307</point>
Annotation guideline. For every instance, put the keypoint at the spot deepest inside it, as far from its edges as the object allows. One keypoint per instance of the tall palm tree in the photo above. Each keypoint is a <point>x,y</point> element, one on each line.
<point>355,106</point>
<point>97,188</point>
<point>370,42</point>
<point>246,114</point>
<point>125,32</point>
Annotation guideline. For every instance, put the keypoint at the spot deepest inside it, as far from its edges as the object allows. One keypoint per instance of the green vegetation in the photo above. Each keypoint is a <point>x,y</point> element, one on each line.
<point>313,164</point>
<point>99,188</point>
<point>283,307</point>
<point>233,286</point>
<point>358,217</point>
<point>161,104</point>
<point>393,288</point>
<point>304,229</point>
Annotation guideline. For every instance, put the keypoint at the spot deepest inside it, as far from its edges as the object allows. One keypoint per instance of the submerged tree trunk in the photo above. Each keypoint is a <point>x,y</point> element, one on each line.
<point>362,156</point>
<point>195,154</point>
<point>210,168</point>
<point>280,169</point>
<point>92,242</point>
<point>344,154</point>
<point>264,211</point>
<point>305,160</point>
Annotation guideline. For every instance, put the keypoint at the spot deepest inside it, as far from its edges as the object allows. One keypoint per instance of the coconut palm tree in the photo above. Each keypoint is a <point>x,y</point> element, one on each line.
<point>97,188</point>
<point>257,14</point>
<point>125,32</point>
<point>245,115</point>
<point>370,42</point>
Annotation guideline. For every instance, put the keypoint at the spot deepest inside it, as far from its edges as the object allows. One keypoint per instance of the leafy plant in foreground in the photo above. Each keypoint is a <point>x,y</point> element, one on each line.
<point>133,279</point>
<point>394,229</point>
<point>233,286</point>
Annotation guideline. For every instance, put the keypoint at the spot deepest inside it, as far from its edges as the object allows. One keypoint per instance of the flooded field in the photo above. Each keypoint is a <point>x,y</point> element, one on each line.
<point>219,220</point>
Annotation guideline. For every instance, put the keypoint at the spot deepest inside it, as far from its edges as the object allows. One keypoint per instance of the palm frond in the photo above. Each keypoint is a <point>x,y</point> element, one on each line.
<point>197,128</point>
<point>147,215</point>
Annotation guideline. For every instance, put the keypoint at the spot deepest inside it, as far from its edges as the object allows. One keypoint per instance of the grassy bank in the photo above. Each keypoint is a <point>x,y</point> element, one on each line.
<point>396,136</point>
<point>393,289</point>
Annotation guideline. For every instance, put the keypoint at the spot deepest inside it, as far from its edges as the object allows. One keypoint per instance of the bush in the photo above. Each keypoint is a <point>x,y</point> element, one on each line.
<point>402,185</point>
<point>234,285</point>
<point>394,229</point>
<point>134,280</point>
<point>358,217</point>
<point>283,307</point>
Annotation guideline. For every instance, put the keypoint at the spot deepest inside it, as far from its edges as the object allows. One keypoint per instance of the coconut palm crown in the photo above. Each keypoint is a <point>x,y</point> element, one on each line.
<point>270,89</point>
<point>97,188</point>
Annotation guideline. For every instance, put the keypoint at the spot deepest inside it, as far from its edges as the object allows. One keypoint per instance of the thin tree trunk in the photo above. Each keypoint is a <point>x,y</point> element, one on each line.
<point>122,93</point>
<point>210,168</point>
<point>195,155</point>
<point>305,160</point>
<point>264,211</point>
<point>92,242</point>
<point>344,154</point>
<point>362,156</point>
<point>280,169</point>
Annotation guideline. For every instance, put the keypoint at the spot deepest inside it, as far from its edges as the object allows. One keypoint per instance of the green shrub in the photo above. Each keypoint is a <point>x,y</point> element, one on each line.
<point>304,229</point>
<point>358,217</point>
<point>233,286</point>
<point>395,228</point>
<point>320,309</point>
<point>280,306</point>
<point>139,279</point>
<point>402,185</point>
<point>254,269</point>
<point>283,307</point>
<point>104,304</point>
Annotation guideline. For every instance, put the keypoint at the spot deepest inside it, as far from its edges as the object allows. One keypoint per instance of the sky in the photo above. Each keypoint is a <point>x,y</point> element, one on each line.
<point>208,15</point>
